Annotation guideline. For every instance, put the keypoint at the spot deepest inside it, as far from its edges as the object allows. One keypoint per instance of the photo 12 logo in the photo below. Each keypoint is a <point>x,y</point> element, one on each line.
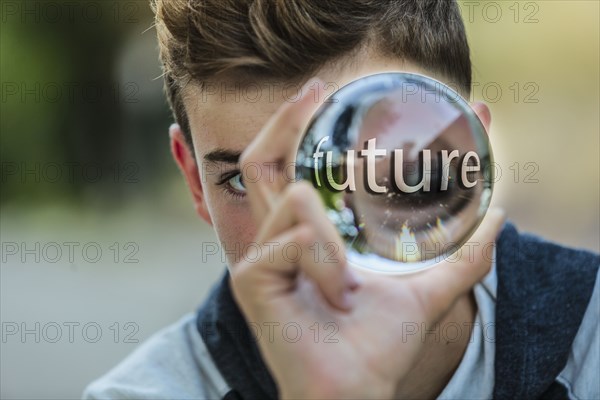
<point>68,332</point>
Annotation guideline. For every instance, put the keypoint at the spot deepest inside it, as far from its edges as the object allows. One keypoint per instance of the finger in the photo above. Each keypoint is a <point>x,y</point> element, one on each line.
<point>282,259</point>
<point>265,271</point>
<point>279,139</point>
<point>325,261</point>
<point>439,287</point>
<point>273,151</point>
<point>299,202</point>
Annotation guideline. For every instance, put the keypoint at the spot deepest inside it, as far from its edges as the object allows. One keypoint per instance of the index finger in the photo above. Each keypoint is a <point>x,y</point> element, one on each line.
<point>276,146</point>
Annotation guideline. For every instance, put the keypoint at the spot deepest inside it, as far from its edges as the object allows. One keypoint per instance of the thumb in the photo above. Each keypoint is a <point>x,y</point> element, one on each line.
<point>438,288</point>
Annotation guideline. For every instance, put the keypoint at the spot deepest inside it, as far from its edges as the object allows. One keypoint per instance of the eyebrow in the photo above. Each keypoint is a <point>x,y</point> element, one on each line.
<point>223,155</point>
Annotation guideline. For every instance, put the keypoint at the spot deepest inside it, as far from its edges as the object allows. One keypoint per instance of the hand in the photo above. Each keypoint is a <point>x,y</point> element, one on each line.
<point>367,311</point>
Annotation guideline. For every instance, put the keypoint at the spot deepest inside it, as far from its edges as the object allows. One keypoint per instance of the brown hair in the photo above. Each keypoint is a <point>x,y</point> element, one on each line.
<point>291,39</point>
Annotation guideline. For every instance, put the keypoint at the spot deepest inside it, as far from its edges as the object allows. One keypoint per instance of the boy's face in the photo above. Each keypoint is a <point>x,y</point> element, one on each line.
<point>224,119</point>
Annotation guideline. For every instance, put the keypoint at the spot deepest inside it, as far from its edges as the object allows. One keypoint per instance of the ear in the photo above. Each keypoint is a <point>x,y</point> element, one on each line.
<point>188,166</point>
<point>484,114</point>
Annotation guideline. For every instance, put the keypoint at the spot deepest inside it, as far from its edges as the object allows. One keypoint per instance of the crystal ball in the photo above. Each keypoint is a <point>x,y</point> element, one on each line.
<point>404,167</point>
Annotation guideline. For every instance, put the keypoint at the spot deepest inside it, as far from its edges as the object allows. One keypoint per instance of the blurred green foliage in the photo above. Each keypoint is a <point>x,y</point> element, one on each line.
<point>66,108</point>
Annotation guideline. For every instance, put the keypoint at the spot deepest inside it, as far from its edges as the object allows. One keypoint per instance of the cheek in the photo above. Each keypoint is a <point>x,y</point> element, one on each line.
<point>236,229</point>
<point>233,224</point>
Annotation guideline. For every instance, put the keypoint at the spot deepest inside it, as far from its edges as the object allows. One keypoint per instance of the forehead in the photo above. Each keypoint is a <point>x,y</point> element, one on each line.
<point>229,115</point>
<point>224,114</point>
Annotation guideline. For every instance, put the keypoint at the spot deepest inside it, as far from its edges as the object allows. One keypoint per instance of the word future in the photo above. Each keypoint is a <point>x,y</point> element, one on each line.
<point>371,152</point>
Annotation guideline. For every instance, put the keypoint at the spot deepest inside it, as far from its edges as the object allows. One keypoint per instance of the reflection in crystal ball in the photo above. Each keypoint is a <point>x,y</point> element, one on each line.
<point>404,167</point>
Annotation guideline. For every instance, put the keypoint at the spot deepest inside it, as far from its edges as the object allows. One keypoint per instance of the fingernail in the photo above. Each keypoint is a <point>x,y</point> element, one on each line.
<point>306,88</point>
<point>313,80</point>
<point>347,300</point>
<point>351,279</point>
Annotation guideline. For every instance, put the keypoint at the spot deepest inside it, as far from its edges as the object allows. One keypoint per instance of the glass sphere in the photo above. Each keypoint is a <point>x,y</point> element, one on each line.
<point>404,167</point>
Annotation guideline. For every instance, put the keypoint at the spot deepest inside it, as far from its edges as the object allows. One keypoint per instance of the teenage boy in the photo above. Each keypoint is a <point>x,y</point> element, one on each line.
<point>527,318</point>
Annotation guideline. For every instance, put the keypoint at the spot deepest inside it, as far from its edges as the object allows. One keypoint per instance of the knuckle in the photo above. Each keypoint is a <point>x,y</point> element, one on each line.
<point>305,235</point>
<point>295,195</point>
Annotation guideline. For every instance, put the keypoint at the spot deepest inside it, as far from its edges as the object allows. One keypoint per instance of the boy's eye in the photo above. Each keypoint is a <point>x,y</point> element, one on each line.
<point>236,183</point>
